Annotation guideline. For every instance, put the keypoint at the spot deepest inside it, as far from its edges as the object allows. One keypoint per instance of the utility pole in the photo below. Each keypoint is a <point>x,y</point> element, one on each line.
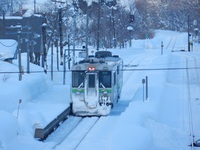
<point>34,6</point>
<point>98,25</point>
<point>28,50</point>
<point>114,34</point>
<point>64,72</point>
<point>86,43</point>
<point>69,57</point>
<point>52,60</point>
<point>11,9</point>
<point>61,35</point>
<point>4,26</point>
<point>74,28</point>
<point>44,61</point>
<point>19,52</point>
<point>57,53</point>
<point>31,47</point>
<point>188,33</point>
<point>74,35</point>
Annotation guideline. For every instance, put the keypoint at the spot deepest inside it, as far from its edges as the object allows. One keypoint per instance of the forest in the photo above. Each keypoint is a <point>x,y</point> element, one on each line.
<point>110,23</point>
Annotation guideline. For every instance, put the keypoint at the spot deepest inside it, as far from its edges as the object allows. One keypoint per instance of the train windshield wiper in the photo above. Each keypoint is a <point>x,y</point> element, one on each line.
<point>80,85</point>
<point>102,85</point>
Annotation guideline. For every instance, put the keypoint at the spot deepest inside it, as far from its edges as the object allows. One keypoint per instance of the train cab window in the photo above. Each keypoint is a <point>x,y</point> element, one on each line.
<point>105,78</point>
<point>77,78</point>
<point>91,81</point>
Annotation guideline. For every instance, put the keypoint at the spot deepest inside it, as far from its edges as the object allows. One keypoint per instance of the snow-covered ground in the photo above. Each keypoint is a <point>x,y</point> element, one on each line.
<point>163,121</point>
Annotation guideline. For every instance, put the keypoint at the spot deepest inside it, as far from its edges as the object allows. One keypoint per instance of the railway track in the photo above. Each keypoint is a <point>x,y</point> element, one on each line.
<point>59,135</point>
<point>190,115</point>
<point>193,83</point>
<point>171,43</point>
<point>76,132</point>
<point>66,131</point>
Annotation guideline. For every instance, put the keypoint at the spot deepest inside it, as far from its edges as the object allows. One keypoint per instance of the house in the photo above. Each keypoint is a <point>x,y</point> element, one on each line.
<point>28,28</point>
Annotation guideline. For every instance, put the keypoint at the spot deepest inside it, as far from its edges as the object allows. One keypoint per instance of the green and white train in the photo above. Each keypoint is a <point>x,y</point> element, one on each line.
<point>96,84</point>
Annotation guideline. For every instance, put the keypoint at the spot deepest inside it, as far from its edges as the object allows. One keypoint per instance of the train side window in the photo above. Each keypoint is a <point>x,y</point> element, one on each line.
<point>105,78</point>
<point>77,78</point>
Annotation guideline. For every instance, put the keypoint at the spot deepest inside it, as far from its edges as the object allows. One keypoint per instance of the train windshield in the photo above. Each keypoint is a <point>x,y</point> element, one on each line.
<point>91,81</point>
<point>78,78</point>
<point>105,78</point>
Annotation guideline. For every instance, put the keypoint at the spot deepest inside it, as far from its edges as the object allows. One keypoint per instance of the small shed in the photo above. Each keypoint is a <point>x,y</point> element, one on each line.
<point>8,49</point>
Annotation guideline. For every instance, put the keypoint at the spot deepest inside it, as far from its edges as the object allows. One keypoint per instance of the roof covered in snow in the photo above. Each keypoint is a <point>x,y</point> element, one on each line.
<point>8,49</point>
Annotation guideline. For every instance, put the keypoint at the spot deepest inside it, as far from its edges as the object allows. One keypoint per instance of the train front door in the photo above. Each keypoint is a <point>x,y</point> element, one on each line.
<point>91,89</point>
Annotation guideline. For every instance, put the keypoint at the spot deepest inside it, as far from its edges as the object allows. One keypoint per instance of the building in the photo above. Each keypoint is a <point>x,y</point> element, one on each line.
<point>27,30</point>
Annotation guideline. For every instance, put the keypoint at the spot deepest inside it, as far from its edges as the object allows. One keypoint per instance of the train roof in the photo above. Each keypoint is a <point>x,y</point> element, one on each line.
<point>105,58</point>
<point>101,57</point>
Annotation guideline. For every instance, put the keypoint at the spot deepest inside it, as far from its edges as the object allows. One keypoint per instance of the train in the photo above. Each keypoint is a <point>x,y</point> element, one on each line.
<point>96,84</point>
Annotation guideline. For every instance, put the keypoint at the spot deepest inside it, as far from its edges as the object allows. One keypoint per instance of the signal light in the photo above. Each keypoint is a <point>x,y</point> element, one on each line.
<point>132,18</point>
<point>91,68</point>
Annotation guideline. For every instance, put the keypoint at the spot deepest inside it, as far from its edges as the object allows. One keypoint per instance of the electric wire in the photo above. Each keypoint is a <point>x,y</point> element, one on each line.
<point>131,69</point>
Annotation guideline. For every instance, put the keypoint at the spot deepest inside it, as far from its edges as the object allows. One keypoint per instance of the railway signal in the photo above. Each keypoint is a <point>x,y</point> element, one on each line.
<point>145,83</point>
<point>20,101</point>
<point>132,18</point>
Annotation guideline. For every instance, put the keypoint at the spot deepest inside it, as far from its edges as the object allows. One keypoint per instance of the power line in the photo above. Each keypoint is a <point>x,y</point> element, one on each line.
<point>132,69</point>
<point>160,69</point>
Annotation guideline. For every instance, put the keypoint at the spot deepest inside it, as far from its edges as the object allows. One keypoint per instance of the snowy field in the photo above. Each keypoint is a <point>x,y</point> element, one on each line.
<point>167,120</point>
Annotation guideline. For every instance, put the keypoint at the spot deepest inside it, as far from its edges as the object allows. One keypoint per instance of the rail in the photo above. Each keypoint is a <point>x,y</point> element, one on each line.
<point>42,133</point>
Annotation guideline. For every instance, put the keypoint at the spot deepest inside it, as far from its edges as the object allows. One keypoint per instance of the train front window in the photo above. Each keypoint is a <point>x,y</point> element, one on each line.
<point>77,78</point>
<point>91,80</point>
<point>105,78</point>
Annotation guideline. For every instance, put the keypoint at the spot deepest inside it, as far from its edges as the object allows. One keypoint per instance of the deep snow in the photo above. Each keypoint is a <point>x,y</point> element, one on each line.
<point>159,123</point>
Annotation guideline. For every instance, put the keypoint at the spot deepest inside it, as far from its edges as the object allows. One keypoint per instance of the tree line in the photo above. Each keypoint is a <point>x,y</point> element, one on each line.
<point>108,21</point>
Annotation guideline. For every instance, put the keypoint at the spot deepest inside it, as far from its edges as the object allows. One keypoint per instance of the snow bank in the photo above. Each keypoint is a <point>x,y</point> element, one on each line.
<point>129,133</point>
<point>24,90</point>
<point>28,121</point>
<point>8,49</point>
<point>31,86</point>
<point>9,127</point>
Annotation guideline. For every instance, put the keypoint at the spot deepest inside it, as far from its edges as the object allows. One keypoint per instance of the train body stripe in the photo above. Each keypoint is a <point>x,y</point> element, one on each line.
<point>74,90</point>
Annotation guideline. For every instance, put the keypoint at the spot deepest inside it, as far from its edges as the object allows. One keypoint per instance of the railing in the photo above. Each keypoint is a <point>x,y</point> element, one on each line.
<point>42,134</point>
